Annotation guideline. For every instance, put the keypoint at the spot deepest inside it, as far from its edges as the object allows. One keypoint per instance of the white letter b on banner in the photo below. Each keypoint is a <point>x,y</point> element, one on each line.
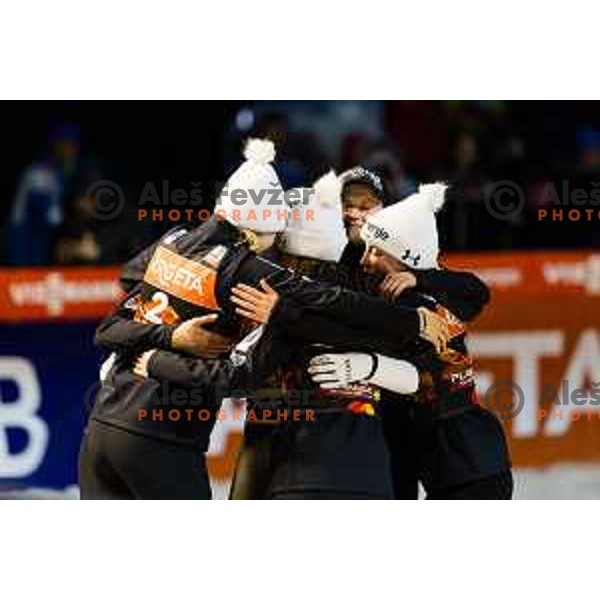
<point>21,414</point>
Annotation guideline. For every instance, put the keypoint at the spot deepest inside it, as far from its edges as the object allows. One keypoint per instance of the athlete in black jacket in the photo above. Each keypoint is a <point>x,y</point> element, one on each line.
<point>442,437</point>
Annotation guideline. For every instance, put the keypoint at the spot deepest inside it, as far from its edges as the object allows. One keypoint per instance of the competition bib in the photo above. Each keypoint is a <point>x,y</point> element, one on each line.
<point>186,279</point>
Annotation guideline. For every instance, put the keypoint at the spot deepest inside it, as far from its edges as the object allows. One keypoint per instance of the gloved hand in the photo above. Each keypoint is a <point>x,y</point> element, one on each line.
<point>340,370</point>
<point>434,329</point>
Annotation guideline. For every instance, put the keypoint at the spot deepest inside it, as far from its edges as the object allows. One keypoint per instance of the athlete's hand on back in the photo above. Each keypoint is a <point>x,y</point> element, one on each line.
<point>395,283</point>
<point>191,337</point>
<point>253,303</point>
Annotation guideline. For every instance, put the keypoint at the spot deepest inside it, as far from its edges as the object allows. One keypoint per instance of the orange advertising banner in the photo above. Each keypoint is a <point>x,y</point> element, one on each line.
<point>537,350</point>
<point>57,294</point>
<point>527,273</point>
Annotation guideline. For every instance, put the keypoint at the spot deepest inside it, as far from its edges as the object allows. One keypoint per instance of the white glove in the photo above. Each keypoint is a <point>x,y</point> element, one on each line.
<point>341,370</point>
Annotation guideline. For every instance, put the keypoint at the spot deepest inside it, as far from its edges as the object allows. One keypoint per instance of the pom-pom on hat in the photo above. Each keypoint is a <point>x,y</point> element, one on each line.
<point>253,197</point>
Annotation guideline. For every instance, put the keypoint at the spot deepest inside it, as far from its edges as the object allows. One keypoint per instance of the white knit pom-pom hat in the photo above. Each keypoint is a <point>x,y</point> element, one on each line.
<point>253,197</point>
<point>315,229</point>
<point>407,230</point>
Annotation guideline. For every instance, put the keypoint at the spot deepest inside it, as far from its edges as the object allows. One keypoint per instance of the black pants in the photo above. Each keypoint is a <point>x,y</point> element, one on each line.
<point>339,456</point>
<point>498,487</point>
<point>438,452</point>
<point>115,464</point>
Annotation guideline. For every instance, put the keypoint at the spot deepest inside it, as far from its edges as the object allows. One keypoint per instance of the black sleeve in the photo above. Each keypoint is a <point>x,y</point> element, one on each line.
<point>191,372</point>
<point>464,294</point>
<point>352,278</point>
<point>311,327</point>
<point>353,309</point>
<point>399,323</point>
<point>315,329</point>
<point>120,333</point>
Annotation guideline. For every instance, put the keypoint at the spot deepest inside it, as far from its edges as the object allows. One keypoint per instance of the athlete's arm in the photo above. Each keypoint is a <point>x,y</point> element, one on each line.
<point>192,372</point>
<point>461,292</point>
<point>401,323</point>
<point>187,372</point>
<point>302,312</point>
<point>120,333</point>
<point>311,328</point>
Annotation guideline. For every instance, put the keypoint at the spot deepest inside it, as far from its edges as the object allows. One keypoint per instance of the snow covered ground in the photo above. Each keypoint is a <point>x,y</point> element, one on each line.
<point>561,482</point>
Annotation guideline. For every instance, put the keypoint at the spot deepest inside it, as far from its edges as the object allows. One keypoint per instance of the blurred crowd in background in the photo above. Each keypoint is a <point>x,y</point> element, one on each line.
<point>49,217</point>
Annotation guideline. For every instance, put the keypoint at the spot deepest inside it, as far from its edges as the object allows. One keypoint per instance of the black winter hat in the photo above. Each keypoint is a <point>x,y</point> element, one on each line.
<point>368,178</point>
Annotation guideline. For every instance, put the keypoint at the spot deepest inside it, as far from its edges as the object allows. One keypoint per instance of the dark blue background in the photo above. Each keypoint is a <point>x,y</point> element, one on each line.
<point>66,365</point>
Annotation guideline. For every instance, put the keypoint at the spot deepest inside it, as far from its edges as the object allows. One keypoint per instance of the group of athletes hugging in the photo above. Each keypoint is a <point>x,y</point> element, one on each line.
<point>336,328</point>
